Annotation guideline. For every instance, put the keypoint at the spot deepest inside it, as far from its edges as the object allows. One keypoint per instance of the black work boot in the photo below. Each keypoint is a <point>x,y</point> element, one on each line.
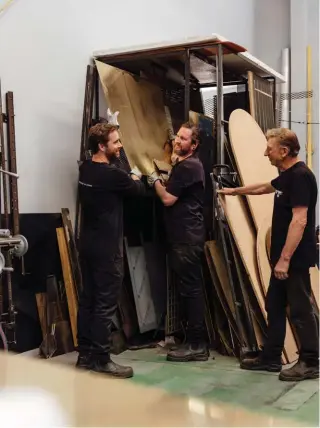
<point>300,371</point>
<point>84,361</point>
<point>188,352</point>
<point>108,367</point>
<point>261,364</point>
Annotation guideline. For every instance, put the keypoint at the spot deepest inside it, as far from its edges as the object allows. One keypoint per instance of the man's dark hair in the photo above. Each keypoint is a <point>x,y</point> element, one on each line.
<point>99,134</point>
<point>285,138</point>
<point>195,131</point>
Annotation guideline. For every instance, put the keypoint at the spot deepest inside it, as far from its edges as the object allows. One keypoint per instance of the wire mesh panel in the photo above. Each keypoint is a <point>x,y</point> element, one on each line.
<point>173,317</point>
<point>281,98</point>
<point>261,95</point>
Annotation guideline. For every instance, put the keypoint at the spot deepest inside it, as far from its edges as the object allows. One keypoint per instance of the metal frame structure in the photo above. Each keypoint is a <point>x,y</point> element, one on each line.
<point>228,61</point>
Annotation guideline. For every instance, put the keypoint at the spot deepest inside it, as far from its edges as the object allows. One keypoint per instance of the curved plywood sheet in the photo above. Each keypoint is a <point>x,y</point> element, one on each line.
<point>142,118</point>
<point>248,144</point>
<point>265,274</point>
<point>244,236</point>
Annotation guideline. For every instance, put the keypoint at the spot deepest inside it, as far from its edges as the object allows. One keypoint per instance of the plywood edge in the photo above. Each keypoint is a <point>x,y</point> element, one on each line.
<point>68,282</point>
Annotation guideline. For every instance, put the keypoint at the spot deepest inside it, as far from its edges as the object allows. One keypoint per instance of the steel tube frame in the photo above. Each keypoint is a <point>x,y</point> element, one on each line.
<point>187,85</point>
<point>220,108</point>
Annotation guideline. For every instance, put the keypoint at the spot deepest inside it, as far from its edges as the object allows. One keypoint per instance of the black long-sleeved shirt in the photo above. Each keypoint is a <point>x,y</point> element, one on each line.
<point>102,188</point>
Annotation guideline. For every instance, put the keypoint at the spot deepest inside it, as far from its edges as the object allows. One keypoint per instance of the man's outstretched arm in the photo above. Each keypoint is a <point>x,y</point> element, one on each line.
<point>253,189</point>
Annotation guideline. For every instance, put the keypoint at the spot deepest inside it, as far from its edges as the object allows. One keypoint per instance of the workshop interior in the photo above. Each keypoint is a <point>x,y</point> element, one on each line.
<point>234,98</point>
<point>160,88</point>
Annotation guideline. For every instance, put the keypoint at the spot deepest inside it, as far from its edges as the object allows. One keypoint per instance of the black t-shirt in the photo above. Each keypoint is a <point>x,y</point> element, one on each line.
<point>184,219</point>
<point>102,188</point>
<point>295,187</point>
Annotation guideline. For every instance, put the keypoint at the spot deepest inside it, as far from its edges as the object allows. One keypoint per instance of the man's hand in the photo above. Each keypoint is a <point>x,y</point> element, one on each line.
<point>153,178</point>
<point>136,171</point>
<point>281,269</point>
<point>227,191</point>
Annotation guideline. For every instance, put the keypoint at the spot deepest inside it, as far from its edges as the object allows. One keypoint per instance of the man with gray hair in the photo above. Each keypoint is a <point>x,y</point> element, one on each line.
<point>293,252</point>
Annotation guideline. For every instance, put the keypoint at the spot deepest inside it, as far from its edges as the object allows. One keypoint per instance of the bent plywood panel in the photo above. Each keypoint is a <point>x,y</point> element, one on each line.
<point>142,118</point>
<point>265,274</point>
<point>248,144</point>
<point>244,236</point>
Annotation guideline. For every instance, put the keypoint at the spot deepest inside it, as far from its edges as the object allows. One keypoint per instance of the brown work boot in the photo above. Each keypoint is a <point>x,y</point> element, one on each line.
<point>261,364</point>
<point>188,352</point>
<point>300,371</point>
<point>110,368</point>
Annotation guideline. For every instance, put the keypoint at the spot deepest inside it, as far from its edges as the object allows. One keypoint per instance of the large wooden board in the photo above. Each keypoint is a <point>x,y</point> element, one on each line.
<point>265,274</point>
<point>249,144</point>
<point>244,236</point>
<point>142,118</point>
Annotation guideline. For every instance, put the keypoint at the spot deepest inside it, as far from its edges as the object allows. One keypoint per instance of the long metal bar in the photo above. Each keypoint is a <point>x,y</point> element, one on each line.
<point>309,108</point>
<point>9,241</point>
<point>285,89</point>
<point>187,85</point>
<point>13,164</point>
<point>220,108</point>
<point>13,197</point>
<point>4,194</point>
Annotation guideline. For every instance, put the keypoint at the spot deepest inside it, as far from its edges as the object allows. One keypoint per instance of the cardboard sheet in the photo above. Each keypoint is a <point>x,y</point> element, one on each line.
<point>265,274</point>
<point>142,118</point>
<point>248,144</point>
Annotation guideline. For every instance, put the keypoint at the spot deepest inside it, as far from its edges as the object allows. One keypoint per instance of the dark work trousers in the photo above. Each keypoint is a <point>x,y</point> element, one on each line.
<point>294,292</point>
<point>185,261</point>
<point>102,281</point>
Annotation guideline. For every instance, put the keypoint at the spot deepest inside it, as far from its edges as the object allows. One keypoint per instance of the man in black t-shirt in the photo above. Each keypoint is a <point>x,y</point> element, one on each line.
<point>102,188</point>
<point>183,200</point>
<point>293,252</point>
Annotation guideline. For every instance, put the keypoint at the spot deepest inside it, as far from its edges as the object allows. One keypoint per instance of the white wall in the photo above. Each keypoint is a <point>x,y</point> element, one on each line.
<point>271,30</point>
<point>45,46</point>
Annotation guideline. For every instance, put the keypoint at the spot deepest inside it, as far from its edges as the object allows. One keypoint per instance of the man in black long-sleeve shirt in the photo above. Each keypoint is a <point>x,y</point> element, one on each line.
<point>102,188</point>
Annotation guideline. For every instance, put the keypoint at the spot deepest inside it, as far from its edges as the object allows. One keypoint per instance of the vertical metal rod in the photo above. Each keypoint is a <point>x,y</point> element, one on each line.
<point>187,85</point>
<point>285,89</point>
<point>96,95</point>
<point>274,94</point>
<point>220,108</point>
<point>309,108</point>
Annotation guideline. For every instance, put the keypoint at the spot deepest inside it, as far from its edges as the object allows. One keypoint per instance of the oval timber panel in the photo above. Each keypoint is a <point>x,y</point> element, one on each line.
<point>249,144</point>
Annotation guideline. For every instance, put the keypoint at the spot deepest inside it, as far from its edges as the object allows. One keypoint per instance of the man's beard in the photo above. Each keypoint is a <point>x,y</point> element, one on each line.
<point>112,157</point>
<point>181,152</point>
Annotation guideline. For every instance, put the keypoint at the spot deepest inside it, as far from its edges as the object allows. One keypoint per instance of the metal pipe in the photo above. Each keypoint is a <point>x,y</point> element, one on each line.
<point>187,85</point>
<point>12,174</point>
<point>309,108</point>
<point>220,108</point>
<point>285,88</point>
<point>5,233</point>
<point>9,241</point>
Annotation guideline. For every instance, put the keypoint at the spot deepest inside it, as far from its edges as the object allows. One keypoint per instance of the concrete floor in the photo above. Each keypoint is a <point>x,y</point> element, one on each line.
<point>221,380</point>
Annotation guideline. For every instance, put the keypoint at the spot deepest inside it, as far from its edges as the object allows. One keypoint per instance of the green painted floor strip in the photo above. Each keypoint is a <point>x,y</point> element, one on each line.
<point>299,394</point>
<point>221,380</point>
